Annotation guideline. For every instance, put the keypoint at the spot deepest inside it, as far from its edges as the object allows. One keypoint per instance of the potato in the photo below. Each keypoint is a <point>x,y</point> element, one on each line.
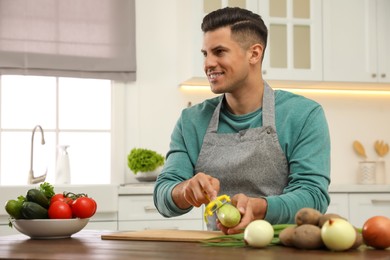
<point>286,236</point>
<point>326,217</point>
<point>307,216</point>
<point>307,236</point>
<point>358,240</point>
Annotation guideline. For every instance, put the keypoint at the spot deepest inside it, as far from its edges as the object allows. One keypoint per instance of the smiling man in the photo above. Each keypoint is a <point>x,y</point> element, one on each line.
<point>268,150</point>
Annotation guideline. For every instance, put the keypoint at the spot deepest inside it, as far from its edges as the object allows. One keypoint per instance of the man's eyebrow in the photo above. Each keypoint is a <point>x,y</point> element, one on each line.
<point>215,48</point>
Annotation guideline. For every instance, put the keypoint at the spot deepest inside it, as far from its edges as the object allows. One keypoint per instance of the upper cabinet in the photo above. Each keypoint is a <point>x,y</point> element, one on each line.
<point>315,40</point>
<point>203,8</point>
<point>294,50</point>
<point>356,40</point>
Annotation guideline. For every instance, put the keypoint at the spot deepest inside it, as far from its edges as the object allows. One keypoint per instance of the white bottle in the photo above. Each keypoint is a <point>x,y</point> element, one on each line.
<point>62,167</point>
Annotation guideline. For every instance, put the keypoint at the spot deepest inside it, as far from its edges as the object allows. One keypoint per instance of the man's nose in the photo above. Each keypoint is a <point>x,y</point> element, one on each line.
<point>209,62</point>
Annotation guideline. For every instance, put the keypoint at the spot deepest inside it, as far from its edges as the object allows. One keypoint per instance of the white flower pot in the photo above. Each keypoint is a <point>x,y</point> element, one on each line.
<point>148,176</point>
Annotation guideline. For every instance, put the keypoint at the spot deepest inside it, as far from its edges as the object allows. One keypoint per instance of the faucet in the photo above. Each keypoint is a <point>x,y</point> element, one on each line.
<point>31,178</point>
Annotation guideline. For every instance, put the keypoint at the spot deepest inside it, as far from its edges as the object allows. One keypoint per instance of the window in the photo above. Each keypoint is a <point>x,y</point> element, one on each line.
<point>71,111</point>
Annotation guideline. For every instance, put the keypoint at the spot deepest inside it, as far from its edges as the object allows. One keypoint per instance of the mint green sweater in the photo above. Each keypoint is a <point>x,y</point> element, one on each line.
<point>303,136</point>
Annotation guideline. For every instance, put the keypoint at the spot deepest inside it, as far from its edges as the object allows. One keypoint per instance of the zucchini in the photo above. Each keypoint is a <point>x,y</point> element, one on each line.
<point>32,210</point>
<point>37,196</point>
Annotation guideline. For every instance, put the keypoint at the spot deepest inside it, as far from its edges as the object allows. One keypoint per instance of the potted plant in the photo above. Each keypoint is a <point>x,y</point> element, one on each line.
<point>145,164</point>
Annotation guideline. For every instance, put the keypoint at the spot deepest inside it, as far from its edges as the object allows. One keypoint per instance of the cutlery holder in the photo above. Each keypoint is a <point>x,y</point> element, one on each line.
<point>366,172</point>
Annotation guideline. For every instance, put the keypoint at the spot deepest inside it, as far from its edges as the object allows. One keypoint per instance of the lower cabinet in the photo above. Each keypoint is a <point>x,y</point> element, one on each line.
<point>358,207</point>
<point>363,206</point>
<point>339,204</point>
<point>137,212</point>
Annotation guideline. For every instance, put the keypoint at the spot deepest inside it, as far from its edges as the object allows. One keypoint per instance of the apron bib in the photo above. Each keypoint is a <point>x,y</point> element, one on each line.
<point>250,161</point>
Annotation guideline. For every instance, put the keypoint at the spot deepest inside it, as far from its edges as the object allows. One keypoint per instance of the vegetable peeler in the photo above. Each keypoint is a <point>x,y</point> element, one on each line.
<point>214,205</point>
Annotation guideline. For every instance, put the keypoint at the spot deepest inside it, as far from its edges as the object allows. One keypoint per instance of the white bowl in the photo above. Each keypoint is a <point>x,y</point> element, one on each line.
<point>148,176</point>
<point>49,228</point>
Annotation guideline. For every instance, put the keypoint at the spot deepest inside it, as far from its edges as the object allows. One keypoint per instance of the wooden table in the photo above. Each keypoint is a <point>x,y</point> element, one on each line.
<point>89,245</point>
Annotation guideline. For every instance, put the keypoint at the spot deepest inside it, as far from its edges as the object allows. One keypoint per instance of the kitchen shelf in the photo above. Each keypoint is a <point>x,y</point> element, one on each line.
<point>200,82</point>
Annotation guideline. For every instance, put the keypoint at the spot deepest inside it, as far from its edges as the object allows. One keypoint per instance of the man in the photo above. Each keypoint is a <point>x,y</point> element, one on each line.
<point>268,150</point>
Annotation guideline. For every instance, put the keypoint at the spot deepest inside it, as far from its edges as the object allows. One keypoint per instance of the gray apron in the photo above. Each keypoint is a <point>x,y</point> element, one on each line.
<point>250,161</point>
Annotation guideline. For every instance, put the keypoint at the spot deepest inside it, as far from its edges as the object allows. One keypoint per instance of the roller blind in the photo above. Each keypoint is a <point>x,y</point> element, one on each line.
<point>71,38</point>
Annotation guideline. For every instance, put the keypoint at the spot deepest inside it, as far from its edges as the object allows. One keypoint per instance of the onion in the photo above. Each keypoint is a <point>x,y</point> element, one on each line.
<point>376,232</point>
<point>338,234</point>
<point>259,233</point>
<point>228,215</point>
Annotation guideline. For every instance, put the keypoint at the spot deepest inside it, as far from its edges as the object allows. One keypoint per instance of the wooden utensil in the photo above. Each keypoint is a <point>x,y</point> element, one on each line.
<point>381,148</point>
<point>359,149</point>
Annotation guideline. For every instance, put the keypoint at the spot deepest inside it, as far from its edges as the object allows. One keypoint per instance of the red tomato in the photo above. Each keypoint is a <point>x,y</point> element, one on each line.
<point>60,210</point>
<point>376,232</point>
<point>60,197</point>
<point>83,207</point>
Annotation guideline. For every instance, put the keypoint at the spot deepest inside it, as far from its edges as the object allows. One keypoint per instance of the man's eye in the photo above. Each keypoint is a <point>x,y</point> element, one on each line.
<point>219,52</point>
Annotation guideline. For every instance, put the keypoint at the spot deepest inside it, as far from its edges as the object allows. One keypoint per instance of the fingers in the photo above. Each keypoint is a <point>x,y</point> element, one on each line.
<point>200,189</point>
<point>249,209</point>
<point>240,201</point>
<point>211,188</point>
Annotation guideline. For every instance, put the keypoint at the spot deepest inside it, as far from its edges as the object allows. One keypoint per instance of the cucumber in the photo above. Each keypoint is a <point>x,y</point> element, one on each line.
<point>35,195</point>
<point>14,208</point>
<point>32,210</point>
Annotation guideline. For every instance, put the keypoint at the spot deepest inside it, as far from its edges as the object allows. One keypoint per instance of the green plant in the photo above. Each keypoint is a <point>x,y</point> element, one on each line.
<point>144,160</point>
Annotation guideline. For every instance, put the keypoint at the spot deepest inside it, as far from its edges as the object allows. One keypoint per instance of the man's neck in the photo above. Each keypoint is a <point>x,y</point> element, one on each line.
<point>247,100</point>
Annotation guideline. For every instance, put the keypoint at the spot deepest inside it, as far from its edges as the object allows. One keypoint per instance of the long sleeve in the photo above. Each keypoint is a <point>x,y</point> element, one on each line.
<point>309,178</point>
<point>303,136</point>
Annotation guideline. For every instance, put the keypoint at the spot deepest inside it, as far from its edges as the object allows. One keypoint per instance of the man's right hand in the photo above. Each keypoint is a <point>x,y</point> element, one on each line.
<point>198,190</point>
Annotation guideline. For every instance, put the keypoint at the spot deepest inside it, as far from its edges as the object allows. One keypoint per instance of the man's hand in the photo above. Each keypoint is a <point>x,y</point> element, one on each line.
<point>250,209</point>
<point>198,190</point>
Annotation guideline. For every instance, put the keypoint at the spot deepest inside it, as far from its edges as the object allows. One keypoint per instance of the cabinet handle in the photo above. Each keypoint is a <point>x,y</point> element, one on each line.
<point>383,75</point>
<point>380,201</point>
<point>150,209</point>
<point>373,75</point>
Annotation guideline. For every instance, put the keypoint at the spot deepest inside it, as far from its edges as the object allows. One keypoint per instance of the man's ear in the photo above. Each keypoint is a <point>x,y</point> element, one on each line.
<point>256,53</point>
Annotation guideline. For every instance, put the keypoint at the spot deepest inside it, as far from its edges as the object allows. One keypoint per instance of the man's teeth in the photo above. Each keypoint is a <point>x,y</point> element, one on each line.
<point>214,75</point>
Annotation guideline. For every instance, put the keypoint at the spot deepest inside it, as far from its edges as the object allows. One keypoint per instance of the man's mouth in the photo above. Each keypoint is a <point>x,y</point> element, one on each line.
<point>214,75</point>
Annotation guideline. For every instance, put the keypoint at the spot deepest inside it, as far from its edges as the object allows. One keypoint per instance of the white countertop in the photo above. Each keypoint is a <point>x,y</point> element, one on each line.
<point>147,188</point>
<point>357,188</point>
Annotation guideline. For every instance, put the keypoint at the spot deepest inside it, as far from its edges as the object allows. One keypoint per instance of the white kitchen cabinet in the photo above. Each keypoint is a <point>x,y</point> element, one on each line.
<point>363,206</point>
<point>202,8</point>
<point>356,40</point>
<point>294,50</point>
<point>339,204</point>
<point>357,207</point>
<point>137,212</point>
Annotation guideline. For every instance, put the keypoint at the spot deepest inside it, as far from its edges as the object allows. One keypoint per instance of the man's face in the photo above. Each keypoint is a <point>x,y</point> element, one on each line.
<point>226,64</point>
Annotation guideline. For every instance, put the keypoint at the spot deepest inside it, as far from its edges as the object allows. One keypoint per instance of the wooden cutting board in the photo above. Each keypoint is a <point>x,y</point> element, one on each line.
<point>163,235</point>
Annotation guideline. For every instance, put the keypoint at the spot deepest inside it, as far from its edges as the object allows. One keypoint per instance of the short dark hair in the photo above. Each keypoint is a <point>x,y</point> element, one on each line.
<point>247,27</point>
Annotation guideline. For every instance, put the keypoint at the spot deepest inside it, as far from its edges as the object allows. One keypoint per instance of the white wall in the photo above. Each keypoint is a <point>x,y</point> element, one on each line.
<point>350,118</point>
<point>154,102</point>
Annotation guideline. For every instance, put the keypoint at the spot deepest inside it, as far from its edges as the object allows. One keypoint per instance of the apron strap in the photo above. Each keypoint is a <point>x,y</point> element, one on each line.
<point>268,110</point>
<point>213,126</point>
<point>268,106</point>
